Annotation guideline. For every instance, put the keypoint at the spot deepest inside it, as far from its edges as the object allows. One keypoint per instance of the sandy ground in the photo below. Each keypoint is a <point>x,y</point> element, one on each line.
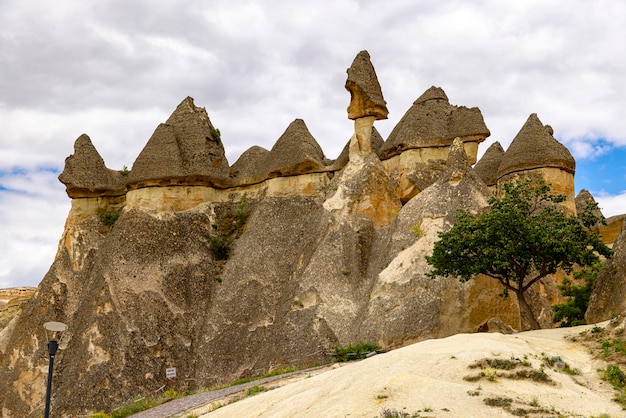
<point>426,380</point>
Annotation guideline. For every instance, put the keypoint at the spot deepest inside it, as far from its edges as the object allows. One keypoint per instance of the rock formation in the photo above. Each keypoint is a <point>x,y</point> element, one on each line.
<point>417,148</point>
<point>608,298</point>
<point>366,97</point>
<point>85,174</point>
<point>405,305</point>
<point>487,167</point>
<point>535,152</point>
<point>228,271</point>
<point>186,149</point>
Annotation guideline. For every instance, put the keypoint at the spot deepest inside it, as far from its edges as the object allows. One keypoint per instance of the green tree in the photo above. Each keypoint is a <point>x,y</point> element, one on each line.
<point>572,312</point>
<point>523,237</point>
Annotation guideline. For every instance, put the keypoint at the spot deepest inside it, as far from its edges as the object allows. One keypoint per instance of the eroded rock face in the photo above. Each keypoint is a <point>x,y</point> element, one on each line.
<point>608,298</point>
<point>85,174</point>
<point>405,305</point>
<point>535,147</point>
<point>416,151</point>
<point>535,153</point>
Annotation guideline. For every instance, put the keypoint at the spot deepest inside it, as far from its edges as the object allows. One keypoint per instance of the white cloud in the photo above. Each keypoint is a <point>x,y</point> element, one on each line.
<point>32,216</point>
<point>612,205</point>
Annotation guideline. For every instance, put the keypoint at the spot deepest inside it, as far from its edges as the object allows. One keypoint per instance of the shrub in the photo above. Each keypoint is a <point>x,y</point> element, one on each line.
<point>109,217</point>
<point>615,376</point>
<point>354,351</point>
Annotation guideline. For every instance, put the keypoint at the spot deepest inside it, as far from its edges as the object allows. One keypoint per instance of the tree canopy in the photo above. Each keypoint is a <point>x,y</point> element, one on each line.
<point>523,237</point>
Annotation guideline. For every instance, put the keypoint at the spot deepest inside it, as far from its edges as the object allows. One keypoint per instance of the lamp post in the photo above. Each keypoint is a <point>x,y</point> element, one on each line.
<point>56,329</point>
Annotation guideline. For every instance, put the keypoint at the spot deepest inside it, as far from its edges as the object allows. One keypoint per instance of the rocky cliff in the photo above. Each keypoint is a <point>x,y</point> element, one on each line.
<point>227,271</point>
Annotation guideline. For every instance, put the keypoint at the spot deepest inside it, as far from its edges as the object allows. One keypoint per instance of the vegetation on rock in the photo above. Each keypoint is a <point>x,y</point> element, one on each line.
<point>522,238</point>
<point>354,351</point>
<point>228,228</point>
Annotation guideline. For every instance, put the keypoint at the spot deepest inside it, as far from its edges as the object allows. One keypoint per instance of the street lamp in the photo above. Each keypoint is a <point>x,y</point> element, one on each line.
<point>56,330</point>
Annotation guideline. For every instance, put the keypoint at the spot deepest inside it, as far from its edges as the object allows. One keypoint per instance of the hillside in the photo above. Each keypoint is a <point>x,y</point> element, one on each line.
<point>430,379</point>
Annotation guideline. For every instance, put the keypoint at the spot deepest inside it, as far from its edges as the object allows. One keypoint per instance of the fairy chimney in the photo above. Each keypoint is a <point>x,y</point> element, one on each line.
<point>535,152</point>
<point>487,166</point>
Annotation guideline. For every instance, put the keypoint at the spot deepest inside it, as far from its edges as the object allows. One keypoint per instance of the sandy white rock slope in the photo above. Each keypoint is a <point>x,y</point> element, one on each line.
<point>426,380</point>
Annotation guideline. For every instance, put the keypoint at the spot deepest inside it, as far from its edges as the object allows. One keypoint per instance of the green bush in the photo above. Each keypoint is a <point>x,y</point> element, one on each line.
<point>354,351</point>
<point>615,376</point>
<point>109,217</point>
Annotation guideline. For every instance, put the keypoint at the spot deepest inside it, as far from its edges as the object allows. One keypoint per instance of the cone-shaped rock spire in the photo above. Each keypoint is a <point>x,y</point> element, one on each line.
<point>186,149</point>
<point>85,174</point>
<point>366,97</point>
<point>487,166</point>
<point>295,152</point>
<point>535,147</point>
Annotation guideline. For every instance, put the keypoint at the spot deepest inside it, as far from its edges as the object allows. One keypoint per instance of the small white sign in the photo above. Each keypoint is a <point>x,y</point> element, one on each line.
<point>170,372</point>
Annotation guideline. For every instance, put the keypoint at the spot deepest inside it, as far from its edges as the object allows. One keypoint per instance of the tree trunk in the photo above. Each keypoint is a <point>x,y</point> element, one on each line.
<point>526,312</point>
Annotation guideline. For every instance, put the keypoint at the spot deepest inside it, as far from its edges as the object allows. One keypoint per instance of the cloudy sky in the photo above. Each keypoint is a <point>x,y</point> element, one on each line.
<point>115,69</point>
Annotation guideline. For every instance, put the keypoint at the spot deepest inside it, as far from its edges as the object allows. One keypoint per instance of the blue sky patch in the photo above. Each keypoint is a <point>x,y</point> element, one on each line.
<point>606,172</point>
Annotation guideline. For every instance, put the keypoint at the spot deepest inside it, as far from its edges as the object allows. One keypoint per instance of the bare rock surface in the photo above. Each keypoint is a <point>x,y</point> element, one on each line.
<point>427,378</point>
<point>295,152</point>
<point>608,298</point>
<point>175,265</point>
<point>402,290</point>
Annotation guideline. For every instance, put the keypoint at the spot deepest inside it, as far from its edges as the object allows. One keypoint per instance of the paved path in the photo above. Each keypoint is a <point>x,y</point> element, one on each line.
<point>178,407</point>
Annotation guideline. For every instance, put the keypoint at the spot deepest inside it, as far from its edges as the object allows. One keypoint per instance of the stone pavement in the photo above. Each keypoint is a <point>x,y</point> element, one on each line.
<point>181,407</point>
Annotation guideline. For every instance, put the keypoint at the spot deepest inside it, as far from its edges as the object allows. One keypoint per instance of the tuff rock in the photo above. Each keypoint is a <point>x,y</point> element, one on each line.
<point>608,298</point>
<point>230,271</point>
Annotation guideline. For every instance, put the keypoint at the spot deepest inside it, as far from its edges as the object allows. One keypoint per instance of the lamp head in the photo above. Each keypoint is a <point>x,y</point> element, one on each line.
<point>56,330</point>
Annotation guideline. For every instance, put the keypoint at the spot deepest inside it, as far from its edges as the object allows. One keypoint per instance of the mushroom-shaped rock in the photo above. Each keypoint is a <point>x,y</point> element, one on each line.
<point>85,174</point>
<point>186,150</point>
<point>534,147</point>
<point>295,152</point>
<point>487,166</point>
<point>433,122</point>
<point>366,97</point>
